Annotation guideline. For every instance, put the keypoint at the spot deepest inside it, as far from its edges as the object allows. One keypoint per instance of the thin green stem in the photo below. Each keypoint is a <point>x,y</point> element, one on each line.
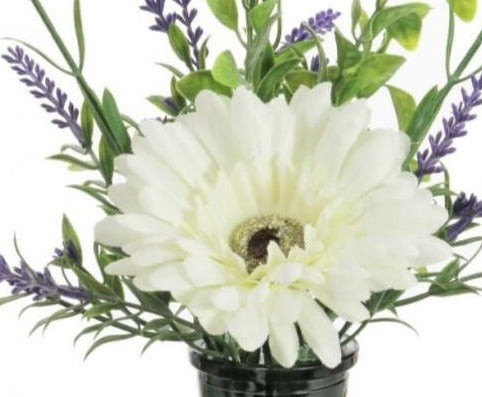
<point>413,299</point>
<point>279,29</point>
<point>87,92</point>
<point>356,333</point>
<point>450,43</point>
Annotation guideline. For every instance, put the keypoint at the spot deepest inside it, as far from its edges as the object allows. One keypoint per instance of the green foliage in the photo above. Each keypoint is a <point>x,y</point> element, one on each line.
<point>70,235</point>
<point>349,56</point>
<point>74,163</point>
<point>106,161</point>
<point>466,10</point>
<point>180,44</point>
<point>261,13</point>
<point>115,122</point>
<point>268,87</point>
<point>374,71</point>
<point>226,12</point>
<point>386,17</point>
<point>404,104</point>
<point>79,33</point>
<point>225,71</point>
<point>192,84</point>
<point>296,78</point>
<point>87,124</point>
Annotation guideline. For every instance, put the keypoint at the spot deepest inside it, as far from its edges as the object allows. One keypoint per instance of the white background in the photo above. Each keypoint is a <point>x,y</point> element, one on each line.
<point>443,361</point>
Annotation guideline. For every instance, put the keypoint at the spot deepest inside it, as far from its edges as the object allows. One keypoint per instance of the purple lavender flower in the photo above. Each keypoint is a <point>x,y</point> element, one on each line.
<point>55,100</point>
<point>465,210</point>
<point>441,144</point>
<point>186,17</point>
<point>162,21</point>
<point>69,251</point>
<point>321,23</point>
<point>41,285</point>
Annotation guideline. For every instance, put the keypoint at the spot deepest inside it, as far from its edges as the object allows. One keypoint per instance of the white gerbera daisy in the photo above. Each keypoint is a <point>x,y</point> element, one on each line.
<point>260,217</point>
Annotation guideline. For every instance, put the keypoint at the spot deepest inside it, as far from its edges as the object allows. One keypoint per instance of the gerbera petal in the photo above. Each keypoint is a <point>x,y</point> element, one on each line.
<point>320,334</point>
<point>249,328</point>
<point>284,344</point>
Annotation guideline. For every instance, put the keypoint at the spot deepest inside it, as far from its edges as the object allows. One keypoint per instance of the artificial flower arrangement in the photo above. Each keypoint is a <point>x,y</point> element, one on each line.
<point>261,219</point>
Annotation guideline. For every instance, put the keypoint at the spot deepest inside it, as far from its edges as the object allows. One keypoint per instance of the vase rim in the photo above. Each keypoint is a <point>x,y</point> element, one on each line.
<point>216,366</point>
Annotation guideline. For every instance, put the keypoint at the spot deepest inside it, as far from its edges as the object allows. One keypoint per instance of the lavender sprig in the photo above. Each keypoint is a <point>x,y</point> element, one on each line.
<point>441,144</point>
<point>41,285</point>
<point>55,100</point>
<point>162,21</point>
<point>465,210</point>
<point>194,34</point>
<point>186,17</point>
<point>321,23</point>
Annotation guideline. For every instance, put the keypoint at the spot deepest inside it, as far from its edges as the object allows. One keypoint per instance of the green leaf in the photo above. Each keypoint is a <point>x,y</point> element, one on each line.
<point>12,298</point>
<point>176,72</point>
<point>427,106</point>
<point>226,12</point>
<point>225,70</point>
<point>383,300</point>
<point>296,49</point>
<point>79,33</point>
<point>61,314</point>
<point>257,50</point>
<point>69,234</point>
<point>75,163</point>
<point>105,340</point>
<point>87,124</point>
<point>260,14</point>
<point>404,105</point>
<point>114,120</point>
<point>106,161</point>
<point>159,102</point>
<point>271,82</point>
<point>92,285</point>
<point>356,13</point>
<point>192,84</point>
<point>407,31</point>
<point>153,302</point>
<point>203,54</point>
<point>466,10</point>
<point>372,73</point>
<point>179,44</point>
<point>296,78</point>
<point>384,18</point>
<point>96,194</point>
<point>99,309</point>
<point>348,54</point>
<point>86,331</point>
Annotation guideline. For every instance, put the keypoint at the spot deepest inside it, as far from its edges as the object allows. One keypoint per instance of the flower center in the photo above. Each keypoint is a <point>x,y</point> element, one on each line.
<point>250,240</point>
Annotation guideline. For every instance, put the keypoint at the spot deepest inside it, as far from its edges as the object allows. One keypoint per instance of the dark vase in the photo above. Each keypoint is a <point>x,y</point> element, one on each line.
<point>226,379</point>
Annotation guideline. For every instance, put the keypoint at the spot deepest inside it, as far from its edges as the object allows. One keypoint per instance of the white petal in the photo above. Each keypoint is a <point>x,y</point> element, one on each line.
<point>432,250</point>
<point>169,277</point>
<point>204,271</point>
<point>320,334</point>
<point>226,299</point>
<point>123,266</point>
<point>284,344</point>
<point>249,328</point>
<point>213,322</point>
<point>287,273</point>
<point>374,158</point>
<point>118,230</point>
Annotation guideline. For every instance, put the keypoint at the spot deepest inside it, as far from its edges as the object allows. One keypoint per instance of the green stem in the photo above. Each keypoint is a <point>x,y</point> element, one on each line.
<point>450,43</point>
<point>279,29</point>
<point>413,299</point>
<point>355,334</point>
<point>87,92</point>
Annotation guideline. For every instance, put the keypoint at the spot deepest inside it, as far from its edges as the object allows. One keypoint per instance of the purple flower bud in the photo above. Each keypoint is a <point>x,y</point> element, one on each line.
<point>44,88</point>
<point>441,144</point>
